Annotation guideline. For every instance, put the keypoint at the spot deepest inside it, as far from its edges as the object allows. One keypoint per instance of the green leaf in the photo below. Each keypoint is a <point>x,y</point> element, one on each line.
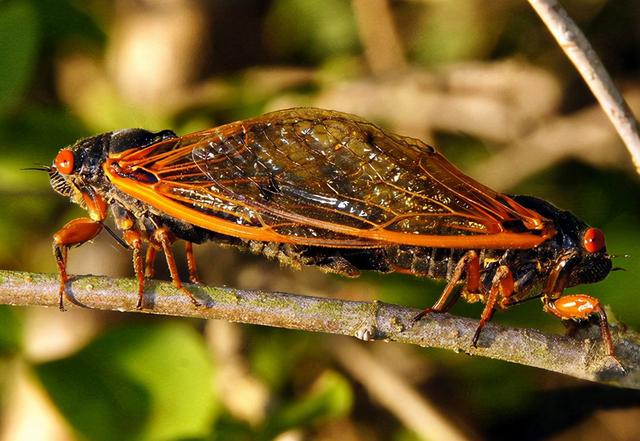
<point>142,382</point>
<point>69,19</point>
<point>312,29</point>
<point>275,353</point>
<point>19,32</point>
<point>405,434</point>
<point>454,30</point>
<point>11,329</point>
<point>330,397</point>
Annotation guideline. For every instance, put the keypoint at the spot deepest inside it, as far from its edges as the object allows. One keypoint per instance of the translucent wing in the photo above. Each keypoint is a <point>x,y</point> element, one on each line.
<point>323,178</point>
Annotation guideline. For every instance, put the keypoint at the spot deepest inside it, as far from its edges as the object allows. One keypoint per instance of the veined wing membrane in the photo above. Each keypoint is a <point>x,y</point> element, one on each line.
<point>322,178</point>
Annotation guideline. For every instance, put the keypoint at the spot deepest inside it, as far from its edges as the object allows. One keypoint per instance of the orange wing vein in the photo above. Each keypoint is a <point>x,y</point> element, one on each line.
<point>316,177</point>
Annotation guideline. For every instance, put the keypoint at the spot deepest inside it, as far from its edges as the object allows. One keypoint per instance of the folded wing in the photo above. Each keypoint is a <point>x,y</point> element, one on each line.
<point>324,178</point>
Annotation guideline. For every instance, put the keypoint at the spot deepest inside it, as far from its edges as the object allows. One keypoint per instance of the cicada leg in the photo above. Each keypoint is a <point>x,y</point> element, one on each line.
<point>581,307</point>
<point>149,261</point>
<point>75,232</point>
<point>501,288</point>
<point>469,264</point>
<point>164,237</point>
<point>191,262</point>
<point>133,238</point>
<point>575,306</point>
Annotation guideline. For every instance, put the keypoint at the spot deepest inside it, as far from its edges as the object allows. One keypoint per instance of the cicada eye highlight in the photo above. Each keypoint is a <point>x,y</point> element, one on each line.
<point>593,240</point>
<point>64,162</point>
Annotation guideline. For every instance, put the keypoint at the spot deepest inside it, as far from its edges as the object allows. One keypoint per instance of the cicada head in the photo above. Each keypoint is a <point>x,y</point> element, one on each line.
<point>78,167</point>
<point>595,263</point>
<point>585,244</point>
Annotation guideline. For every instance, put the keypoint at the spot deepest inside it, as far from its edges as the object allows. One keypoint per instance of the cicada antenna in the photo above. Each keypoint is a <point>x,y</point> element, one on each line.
<point>40,167</point>
<point>615,256</point>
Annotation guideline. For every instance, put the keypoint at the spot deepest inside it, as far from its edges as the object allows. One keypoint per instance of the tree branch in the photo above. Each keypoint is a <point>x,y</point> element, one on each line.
<point>378,34</point>
<point>577,357</point>
<point>578,49</point>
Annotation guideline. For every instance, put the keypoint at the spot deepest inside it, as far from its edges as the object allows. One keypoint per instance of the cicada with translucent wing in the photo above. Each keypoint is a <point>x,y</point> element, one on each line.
<point>328,189</point>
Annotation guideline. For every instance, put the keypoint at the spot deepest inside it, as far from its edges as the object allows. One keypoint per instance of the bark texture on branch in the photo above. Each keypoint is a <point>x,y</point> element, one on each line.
<point>578,357</point>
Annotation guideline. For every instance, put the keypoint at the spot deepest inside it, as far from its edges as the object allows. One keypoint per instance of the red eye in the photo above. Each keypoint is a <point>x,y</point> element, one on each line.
<point>593,240</point>
<point>64,162</point>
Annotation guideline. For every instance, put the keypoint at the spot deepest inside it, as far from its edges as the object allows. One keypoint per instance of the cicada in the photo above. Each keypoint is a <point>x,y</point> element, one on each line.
<point>317,187</point>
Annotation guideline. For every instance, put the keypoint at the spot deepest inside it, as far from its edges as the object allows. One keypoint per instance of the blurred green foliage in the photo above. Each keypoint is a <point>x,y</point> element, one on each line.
<point>321,29</point>
<point>10,331</point>
<point>143,382</point>
<point>19,32</point>
<point>154,380</point>
<point>330,398</point>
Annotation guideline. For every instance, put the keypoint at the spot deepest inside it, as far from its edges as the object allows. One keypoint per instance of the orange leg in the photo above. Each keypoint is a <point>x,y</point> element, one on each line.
<point>501,287</point>
<point>469,262</point>
<point>581,307</point>
<point>134,240</point>
<point>165,239</point>
<point>191,263</point>
<point>575,306</point>
<point>75,232</point>
<point>149,260</point>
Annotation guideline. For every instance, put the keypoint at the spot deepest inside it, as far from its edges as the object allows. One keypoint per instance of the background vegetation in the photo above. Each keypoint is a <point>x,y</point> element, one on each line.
<point>481,80</point>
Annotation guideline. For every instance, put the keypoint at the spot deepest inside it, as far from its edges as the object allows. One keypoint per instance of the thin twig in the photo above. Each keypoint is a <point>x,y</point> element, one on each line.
<point>382,44</point>
<point>576,46</point>
<point>367,320</point>
<point>411,407</point>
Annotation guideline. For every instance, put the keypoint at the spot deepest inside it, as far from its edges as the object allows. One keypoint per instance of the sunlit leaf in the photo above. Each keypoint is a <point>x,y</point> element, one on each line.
<point>330,397</point>
<point>136,382</point>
